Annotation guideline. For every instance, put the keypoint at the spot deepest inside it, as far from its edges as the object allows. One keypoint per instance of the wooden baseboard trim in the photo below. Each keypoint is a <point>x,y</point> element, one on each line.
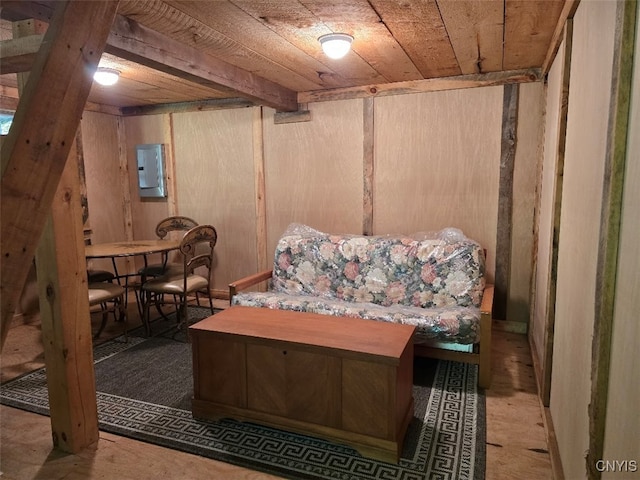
<point>547,420</point>
<point>537,365</point>
<point>552,443</point>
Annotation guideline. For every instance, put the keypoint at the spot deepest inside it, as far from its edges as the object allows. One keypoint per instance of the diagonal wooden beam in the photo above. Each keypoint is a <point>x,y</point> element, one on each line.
<point>135,42</point>
<point>35,151</point>
<point>37,180</point>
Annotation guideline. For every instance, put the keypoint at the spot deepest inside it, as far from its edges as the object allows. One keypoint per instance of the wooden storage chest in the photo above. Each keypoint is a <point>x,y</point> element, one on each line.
<point>344,379</point>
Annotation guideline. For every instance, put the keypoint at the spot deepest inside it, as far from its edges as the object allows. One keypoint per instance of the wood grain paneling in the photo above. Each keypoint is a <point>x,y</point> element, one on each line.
<point>313,170</point>
<point>145,212</point>
<point>214,163</point>
<point>589,97</point>
<point>524,190</point>
<point>105,190</point>
<point>102,170</point>
<point>476,33</point>
<point>436,164</point>
<point>536,23</point>
<point>548,211</point>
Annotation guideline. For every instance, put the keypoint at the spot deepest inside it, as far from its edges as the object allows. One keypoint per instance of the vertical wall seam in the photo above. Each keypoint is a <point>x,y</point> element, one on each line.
<point>260,189</point>
<point>561,146</point>
<point>170,167</point>
<point>367,165</point>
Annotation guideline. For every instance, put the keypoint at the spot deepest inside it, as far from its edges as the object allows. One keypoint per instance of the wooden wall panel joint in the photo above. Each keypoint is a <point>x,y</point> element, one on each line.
<point>550,312</point>
<point>368,157</point>
<point>262,255</point>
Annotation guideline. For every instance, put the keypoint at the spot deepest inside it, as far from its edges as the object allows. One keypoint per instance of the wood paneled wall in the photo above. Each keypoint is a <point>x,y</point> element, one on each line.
<point>437,158</point>
<point>546,208</point>
<point>528,152</point>
<point>586,141</point>
<point>434,166</point>
<point>215,184</point>
<point>313,170</point>
<point>145,212</point>
<point>105,189</point>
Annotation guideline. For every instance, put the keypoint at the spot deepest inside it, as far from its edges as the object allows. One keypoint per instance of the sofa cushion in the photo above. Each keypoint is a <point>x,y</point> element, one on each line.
<point>448,273</point>
<point>439,270</point>
<point>447,324</point>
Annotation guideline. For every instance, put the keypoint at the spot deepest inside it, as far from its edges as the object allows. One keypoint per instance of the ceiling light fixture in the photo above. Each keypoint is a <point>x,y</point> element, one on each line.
<point>106,76</point>
<point>335,45</point>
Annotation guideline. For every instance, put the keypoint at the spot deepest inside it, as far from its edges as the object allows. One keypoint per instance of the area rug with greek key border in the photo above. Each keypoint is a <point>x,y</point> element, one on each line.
<point>144,389</point>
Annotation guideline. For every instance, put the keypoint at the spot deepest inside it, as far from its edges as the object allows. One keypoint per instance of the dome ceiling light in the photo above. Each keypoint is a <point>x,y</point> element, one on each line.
<point>335,45</point>
<point>106,76</point>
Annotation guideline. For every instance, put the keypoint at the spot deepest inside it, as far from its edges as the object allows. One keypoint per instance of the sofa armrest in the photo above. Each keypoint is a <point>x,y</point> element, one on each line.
<point>247,282</point>
<point>487,300</point>
<point>484,373</point>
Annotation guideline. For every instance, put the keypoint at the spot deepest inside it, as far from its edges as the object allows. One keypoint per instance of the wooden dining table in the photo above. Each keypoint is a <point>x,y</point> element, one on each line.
<point>130,248</point>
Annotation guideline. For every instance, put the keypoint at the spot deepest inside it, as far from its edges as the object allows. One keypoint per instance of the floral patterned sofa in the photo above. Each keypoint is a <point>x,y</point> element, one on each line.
<point>434,282</point>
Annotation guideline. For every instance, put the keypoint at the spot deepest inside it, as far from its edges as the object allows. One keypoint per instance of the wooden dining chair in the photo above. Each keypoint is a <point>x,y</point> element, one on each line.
<point>197,249</point>
<point>108,298</point>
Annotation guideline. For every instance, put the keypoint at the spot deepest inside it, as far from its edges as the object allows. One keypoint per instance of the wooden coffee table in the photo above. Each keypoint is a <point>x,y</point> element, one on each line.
<point>344,379</point>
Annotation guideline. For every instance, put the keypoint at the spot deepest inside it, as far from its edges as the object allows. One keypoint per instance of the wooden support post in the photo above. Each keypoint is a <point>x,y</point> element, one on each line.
<point>66,322</point>
<point>505,200</point>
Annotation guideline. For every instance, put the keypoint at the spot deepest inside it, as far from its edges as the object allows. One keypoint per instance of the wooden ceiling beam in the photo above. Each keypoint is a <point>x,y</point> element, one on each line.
<point>420,86</point>
<point>568,11</point>
<point>135,42</point>
<point>17,55</point>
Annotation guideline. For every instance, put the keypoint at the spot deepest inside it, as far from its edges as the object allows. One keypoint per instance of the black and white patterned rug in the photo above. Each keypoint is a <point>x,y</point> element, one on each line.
<point>150,401</point>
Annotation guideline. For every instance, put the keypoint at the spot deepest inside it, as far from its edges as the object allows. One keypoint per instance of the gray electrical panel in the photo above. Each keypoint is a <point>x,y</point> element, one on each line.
<point>151,181</point>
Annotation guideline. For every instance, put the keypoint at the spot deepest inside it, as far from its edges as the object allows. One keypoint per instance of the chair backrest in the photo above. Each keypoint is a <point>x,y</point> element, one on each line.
<point>176,223</point>
<point>197,248</point>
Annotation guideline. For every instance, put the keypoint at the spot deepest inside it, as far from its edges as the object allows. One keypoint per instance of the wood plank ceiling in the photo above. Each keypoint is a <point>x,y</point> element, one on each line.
<point>267,52</point>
